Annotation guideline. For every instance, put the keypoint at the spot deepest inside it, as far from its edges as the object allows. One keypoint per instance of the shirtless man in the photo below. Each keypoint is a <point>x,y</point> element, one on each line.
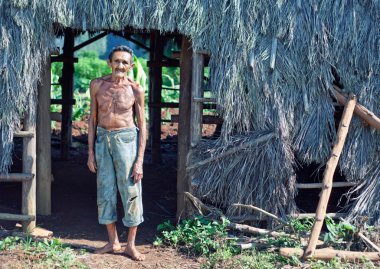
<point>116,148</point>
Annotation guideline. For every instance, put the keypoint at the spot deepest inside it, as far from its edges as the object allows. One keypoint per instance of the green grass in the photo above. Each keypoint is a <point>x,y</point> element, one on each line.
<point>47,253</point>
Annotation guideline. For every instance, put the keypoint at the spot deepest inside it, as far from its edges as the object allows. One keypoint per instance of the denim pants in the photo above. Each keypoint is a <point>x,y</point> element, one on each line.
<point>116,153</point>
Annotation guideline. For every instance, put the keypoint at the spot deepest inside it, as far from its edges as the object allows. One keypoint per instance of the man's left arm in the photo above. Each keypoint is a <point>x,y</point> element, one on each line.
<point>140,114</point>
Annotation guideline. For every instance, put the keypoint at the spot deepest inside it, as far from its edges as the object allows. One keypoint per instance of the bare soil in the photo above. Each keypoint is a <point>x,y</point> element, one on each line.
<point>74,210</point>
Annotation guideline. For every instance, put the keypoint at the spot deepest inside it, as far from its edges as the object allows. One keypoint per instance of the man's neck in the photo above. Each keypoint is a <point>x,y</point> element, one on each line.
<point>119,80</point>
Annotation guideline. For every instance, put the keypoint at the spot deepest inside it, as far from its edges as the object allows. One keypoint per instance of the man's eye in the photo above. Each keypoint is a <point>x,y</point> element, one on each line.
<point>125,63</point>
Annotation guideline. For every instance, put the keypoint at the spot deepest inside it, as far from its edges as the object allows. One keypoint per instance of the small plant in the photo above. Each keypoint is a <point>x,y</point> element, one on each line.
<point>199,236</point>
<point>338,232</point>
<point>301,226</point>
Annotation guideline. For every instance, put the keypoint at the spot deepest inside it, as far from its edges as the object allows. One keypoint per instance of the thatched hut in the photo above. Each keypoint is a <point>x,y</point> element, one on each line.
<point>271,65</point>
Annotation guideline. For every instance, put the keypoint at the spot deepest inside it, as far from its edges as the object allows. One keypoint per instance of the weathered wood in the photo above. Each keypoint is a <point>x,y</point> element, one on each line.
<point>233,150</point>
<point>43,133</point>
<point>56,116</point>
<point>17,217</point>
<point>312,215</point>
<point>23,134</point>
<point>196,92</point>
<point>369,242</point>
<point>28,204</point>
<point>320,185</point>
<point>204,100</point>
<point>328,175</point>
<point>262,211</point>
<point>155,84</point>
<point>67,94</point>
<point>328,254</point>
<point>364,113</point>
<point>253,230</point>
<point>15,177</point>
<point>206,119</point>
<point>183,183</point>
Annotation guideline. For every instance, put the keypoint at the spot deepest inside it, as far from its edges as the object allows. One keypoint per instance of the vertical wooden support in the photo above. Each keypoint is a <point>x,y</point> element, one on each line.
<point>43,133</point>
<point>67,92</point>
<point>28,206</point>
<point>155,89</point>
<point>196,92</point>
<point>328,175</point>
<point>184,123</point>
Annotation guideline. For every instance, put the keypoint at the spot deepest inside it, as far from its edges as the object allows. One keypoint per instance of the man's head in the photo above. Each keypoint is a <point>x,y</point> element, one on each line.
<point>120,60</point>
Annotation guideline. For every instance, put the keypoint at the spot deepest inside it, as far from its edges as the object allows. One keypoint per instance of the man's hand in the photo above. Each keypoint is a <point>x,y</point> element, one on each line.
<point>91,163</point>
<point>137,172</point>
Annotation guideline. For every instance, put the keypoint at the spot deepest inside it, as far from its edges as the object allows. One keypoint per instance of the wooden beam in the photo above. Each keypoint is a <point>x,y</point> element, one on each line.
<point>62,102</point>
<point>183,184</point>
<point>24,134</point>
<point>17,217</point>
<point>196,92</point>
<point>28,204</point>
<point>15,177</point>
<point>329,253</point>
<point>361,111</point>
<point>89,41</point>
<point>312,215</point>
<point>67,94</point>
<point>204,100</point>
<point>206,119</point>
<point>328,175</point>
<point>320,185</point>
<point>44,143</point>
<point>155,86</point>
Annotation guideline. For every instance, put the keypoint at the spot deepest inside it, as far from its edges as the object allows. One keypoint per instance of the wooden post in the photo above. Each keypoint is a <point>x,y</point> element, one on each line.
<point>155,85</point>
<point>28,206</point>
<point>328,175</point>
<point>67,92</point>
<point>196,92</point>
<point>183,184</point>
<point>43,133</point>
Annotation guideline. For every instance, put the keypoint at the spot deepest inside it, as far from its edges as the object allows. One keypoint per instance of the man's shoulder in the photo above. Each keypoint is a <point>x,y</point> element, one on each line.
<point>96,83</point>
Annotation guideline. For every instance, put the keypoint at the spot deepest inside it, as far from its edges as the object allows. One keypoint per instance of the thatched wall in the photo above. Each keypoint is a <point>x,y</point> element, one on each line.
<point>293,100</point>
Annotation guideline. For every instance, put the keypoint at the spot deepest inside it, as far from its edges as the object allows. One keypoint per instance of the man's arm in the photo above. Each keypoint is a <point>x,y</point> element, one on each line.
<point>91,163</point>
<point>140,114</point>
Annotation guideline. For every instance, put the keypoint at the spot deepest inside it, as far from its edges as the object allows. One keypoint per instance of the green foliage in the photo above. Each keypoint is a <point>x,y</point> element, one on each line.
<point>284,241</point>
<point>198,235</point>
<point>338,232</point>
<point>49,253</point>
<point>301,226</point>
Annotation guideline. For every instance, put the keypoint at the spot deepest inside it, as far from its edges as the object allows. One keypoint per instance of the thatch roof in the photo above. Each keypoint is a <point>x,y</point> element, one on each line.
<point>292,100</point>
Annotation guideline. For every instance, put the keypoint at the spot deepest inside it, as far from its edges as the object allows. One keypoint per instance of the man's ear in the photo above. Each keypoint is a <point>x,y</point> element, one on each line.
<point>132,65</point>
<point>109,62</point>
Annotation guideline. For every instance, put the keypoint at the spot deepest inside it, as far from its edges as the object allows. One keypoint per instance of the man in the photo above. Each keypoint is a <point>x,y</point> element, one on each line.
<point>118,152</point>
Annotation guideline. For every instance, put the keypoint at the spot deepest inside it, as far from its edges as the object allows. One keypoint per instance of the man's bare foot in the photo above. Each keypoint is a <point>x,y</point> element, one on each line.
<point>132,252</point>
<point>109,247</point>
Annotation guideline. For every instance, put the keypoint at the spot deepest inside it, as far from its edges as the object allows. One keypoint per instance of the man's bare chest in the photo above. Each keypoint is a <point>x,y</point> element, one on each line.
<point>120,98</point>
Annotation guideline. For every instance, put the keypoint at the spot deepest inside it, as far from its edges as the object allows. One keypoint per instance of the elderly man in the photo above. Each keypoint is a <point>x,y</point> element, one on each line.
<point>116,148</point>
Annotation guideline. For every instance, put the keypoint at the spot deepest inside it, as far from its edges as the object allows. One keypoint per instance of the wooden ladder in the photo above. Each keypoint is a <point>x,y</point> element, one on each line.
<point>27,178</point>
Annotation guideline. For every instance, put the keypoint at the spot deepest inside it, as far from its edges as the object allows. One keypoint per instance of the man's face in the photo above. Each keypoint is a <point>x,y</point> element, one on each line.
<point>120,63</point>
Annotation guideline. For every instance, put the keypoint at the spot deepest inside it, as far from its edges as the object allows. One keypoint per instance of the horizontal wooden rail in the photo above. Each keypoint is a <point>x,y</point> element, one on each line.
<point>206,119</point>
<point>62,102</point>
<point>16,217</point>
<point>24,134</point>
<point>204,100</point>
<point>312,215</point>
<point>320,185</point>
<point>15,177</point>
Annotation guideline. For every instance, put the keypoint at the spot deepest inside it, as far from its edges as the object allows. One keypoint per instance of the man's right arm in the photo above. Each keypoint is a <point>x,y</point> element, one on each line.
<point>93,121</point>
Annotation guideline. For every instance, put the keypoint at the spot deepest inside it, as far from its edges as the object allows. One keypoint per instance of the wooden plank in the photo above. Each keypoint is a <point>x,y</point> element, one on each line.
<point>16,177</point>
<point>204,100</point>
<point>155,87</point>
<point>62,102</point>
<point>17,217</point>
<point>163,63</point>
<point>328,175</point>
<point>56,116</point>
<point>206,119</point>
<point>43,133</point>
<point>28,204</point>
<point>312,215</point>
<point>67,94</point>
<point>320,185</point>
<point>183,184</point>
<point>24,134</point>
<point>163,105</point>
<point>89,41</point>
<point>196,92</point>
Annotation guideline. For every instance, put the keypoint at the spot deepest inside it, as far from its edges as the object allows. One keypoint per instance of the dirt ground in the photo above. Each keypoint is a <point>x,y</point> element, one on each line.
<point>74,211</point>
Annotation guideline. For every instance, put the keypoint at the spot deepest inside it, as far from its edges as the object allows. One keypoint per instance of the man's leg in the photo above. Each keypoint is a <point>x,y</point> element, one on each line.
<point>113,241</point>
<point>130,249</point>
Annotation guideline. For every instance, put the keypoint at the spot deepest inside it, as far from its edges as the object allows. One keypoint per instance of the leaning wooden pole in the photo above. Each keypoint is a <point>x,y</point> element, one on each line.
<point>328,175</point>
